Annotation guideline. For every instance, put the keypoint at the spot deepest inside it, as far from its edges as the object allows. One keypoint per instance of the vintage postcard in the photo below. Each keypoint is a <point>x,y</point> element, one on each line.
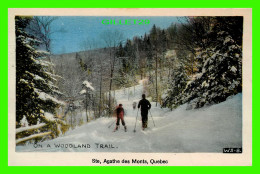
<point>130,87</point>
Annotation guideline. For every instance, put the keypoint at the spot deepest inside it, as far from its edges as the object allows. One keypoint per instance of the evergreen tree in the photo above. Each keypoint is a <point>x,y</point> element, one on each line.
<point>176,88</point>
<point>34,86</point>
<point>221,71</point>
<point>218,49</point>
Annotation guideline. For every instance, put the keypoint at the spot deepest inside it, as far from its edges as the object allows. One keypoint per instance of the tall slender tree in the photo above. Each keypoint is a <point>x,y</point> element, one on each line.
<point>112,40</point>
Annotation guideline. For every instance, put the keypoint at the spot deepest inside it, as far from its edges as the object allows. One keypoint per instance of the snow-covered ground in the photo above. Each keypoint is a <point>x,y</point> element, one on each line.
<point>209,129</point>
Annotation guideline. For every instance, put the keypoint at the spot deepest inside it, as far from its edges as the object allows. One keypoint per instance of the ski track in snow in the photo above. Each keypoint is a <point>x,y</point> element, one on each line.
<point>209,129</point>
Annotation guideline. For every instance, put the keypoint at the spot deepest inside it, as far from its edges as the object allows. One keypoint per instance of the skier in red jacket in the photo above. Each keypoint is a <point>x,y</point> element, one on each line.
<point>120,115</point>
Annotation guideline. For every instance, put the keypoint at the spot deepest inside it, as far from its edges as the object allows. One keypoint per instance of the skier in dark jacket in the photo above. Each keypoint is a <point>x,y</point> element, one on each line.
<point>120,116</point>
<point>145,106</point>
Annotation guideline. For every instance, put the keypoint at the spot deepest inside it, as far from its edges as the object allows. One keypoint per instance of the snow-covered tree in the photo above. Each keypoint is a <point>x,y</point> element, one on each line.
<point>35,90</point>
<point>221,74</point>
<point>176,87</point>
<point>87,88</point>
<point>218,50</point>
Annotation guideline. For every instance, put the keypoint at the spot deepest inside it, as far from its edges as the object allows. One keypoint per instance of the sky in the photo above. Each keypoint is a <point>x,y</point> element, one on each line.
<point>71,31</point>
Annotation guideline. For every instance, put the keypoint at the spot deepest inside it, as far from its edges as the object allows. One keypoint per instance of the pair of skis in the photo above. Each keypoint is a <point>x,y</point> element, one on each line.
<point>116,128</point>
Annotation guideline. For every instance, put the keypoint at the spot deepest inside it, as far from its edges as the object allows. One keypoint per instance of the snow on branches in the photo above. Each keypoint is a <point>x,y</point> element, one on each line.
<point>87,84</point>
<point>219,66</point>
<point>35,91</point>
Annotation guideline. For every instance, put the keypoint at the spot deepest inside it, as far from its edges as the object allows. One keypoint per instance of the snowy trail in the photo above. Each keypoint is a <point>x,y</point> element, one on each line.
<point>209,129</point>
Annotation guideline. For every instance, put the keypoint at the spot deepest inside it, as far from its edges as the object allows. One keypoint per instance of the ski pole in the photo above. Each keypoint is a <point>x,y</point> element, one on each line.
<point>152,117</point>
<point>111,124</point>
<point>136,119</point>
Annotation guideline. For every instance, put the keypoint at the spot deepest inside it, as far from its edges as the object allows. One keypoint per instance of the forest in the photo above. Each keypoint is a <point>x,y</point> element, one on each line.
<point>196,61</point>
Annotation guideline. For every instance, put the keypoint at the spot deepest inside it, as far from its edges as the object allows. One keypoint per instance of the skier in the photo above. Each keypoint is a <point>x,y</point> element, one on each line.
<point>134,105</point>
<point>120,115</point>
<point>145,106</point>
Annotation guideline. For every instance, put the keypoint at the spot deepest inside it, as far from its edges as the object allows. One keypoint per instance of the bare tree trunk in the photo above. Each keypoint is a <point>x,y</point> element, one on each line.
<point>87,105</point>
<point>114,97</point>
<point>112,40</point>
<point>111,78</point>
<point>110,84</point>
<point>111,81</point>
<point>100,93</point>
<point>93,106</point>
<point>160,68</point>
<point>141,74</point>
<point>71,120</point>
<point>109,94</point>
<point>156,74</point>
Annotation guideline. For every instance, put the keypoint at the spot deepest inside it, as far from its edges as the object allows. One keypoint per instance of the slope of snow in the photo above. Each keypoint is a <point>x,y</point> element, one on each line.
<point>209,129</point>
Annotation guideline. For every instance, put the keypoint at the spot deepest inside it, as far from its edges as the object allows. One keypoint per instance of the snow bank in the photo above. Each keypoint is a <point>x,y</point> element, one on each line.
<point>209,129</point>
